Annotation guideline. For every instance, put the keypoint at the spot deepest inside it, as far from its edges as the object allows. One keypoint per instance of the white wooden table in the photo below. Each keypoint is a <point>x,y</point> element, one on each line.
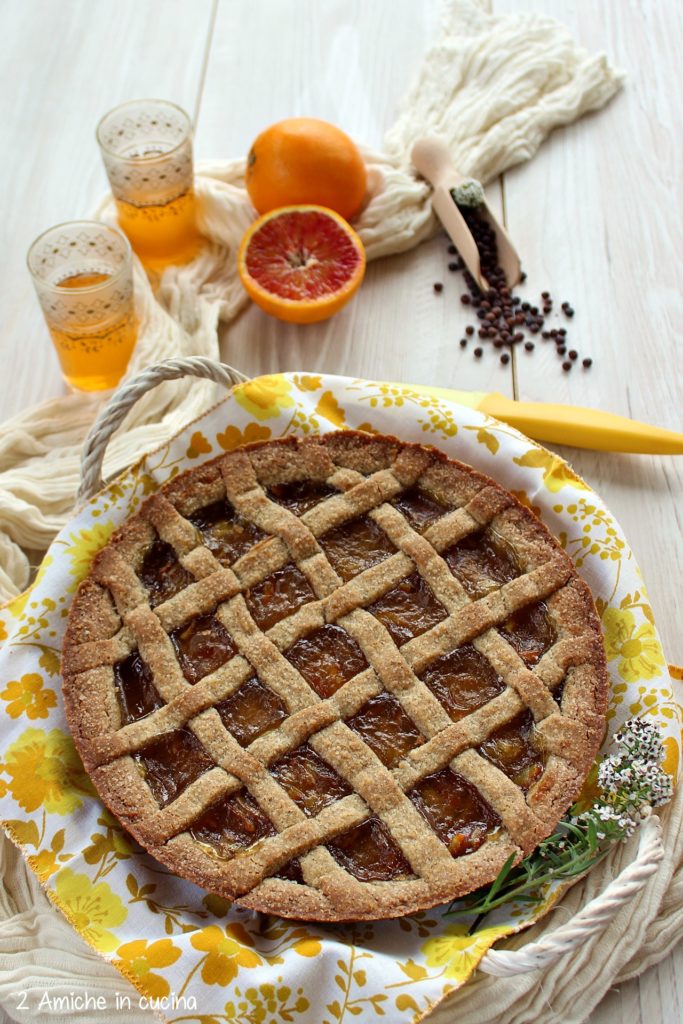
<point>595,215</point>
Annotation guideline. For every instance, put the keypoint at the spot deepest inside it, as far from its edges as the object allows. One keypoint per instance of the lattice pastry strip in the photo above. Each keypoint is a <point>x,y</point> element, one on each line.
<point>280,506</point>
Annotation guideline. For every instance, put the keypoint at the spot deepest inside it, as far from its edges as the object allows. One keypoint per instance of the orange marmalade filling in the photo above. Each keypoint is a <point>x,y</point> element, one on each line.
<point>419,509</point>
<point>135,691</point>
<point>310,782</point>
<point>300,497</point>
<point>356,546</point>
<point>171,763</point>
<point>530,632</point>
<point>202,646</point>
<point>279,596</point>
<point>251,711</point>
<point>327,658</point>
<point>462,681</point>
<point>458,814</point>
<point>369,853</point>
<point>511,748</point>
<point>482,562</point>
<point>408,609</point>
<point>386,729</point>
<point>161,573</point>
<point>232,825</point>
<point>224,532</point>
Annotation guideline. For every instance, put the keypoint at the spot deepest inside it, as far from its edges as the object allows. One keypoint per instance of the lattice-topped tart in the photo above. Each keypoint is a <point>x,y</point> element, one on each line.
<point>335,678</point>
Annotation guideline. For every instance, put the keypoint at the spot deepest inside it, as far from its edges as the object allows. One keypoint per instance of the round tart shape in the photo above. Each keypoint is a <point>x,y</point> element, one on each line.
<point>337,678</point>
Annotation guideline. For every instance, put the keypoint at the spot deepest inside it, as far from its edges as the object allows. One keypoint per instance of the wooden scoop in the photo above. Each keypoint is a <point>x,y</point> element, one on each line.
<point>433,161</point>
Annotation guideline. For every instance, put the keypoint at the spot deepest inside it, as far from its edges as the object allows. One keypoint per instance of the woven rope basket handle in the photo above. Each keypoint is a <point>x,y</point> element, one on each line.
<point>113,415</point>
<point>502,963</point>
<point>589,921</point>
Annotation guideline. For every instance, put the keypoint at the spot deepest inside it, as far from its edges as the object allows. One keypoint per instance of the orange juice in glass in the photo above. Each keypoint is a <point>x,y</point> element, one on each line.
<point>83,276</point>
<point>146,146</point>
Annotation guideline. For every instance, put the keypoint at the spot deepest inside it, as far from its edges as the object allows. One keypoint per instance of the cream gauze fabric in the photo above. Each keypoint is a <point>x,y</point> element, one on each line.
<point>493,87</point>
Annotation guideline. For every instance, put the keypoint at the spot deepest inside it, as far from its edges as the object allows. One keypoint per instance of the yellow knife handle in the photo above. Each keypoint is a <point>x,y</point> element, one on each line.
<point>581,427</point>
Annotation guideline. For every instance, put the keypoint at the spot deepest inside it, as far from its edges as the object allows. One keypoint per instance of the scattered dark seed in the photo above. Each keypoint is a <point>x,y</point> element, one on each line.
<point>469,330</point>
<point>465,299</point>
<point>587,362</point>
<point>569,312</point>
<point>463,342</point>
<point>452,250</point>
<point>562,331</point>
<point>522,277</point>
<point>498,343</point>
<point>545,295</point>
<point>453,266</point>
<point>566,366</point>
<point>518,337</point>
<point>505,358</point>
<point>529,346</point>
<point>478,352</point>
<point>573,354</point>
<point>561,349</point>
<point>438,287</point>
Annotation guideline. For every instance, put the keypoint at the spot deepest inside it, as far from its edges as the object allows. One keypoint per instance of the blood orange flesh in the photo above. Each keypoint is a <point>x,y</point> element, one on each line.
<point>301,263</point>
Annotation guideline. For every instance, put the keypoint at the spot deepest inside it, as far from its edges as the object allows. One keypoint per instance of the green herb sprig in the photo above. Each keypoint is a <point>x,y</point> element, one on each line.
<point>631,782</point>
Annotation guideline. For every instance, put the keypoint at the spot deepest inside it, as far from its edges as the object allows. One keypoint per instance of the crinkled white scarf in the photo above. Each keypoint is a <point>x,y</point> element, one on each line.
<point>494,87</point>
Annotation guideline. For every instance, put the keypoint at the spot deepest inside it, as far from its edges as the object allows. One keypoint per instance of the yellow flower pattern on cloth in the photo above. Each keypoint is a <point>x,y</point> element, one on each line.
<point>26,696</point>
<point>264,397</point>
<point>92,909</point>
<point>556,473</point>
<point>138,959</point>
<point>457,952</point>
<point>226,951</point>
<point>165,935</point>
<point>45,771</point>
<point>82,547</point>
<point>637,647</point>
<point>232,437</point>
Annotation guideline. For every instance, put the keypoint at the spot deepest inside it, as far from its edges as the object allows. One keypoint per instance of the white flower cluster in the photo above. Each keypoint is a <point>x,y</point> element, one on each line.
<point>633,776</point>
<point>631,780</point>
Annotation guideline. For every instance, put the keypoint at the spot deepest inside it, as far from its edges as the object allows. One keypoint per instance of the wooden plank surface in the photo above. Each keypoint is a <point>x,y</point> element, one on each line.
<point>573,213</point>
<point>349,64</point>
<point>83,59</point>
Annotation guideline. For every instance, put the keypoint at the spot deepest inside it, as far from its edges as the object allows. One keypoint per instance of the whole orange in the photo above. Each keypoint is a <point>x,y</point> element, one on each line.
<point>305,160</point>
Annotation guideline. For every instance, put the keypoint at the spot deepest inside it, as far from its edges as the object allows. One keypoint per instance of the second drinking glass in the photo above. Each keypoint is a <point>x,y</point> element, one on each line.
<point>146,146</point>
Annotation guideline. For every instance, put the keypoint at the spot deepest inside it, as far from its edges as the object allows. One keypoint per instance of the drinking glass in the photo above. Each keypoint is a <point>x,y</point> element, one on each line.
<point>83,275</point>
<point>146,146</point>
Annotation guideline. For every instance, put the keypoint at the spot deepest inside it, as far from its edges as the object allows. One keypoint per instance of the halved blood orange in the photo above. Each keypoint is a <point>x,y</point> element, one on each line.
<point>301,263</point>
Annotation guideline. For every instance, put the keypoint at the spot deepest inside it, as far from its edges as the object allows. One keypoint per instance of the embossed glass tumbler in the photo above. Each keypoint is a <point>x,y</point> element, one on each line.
<point>83,275</point>
<point>146,146</point>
